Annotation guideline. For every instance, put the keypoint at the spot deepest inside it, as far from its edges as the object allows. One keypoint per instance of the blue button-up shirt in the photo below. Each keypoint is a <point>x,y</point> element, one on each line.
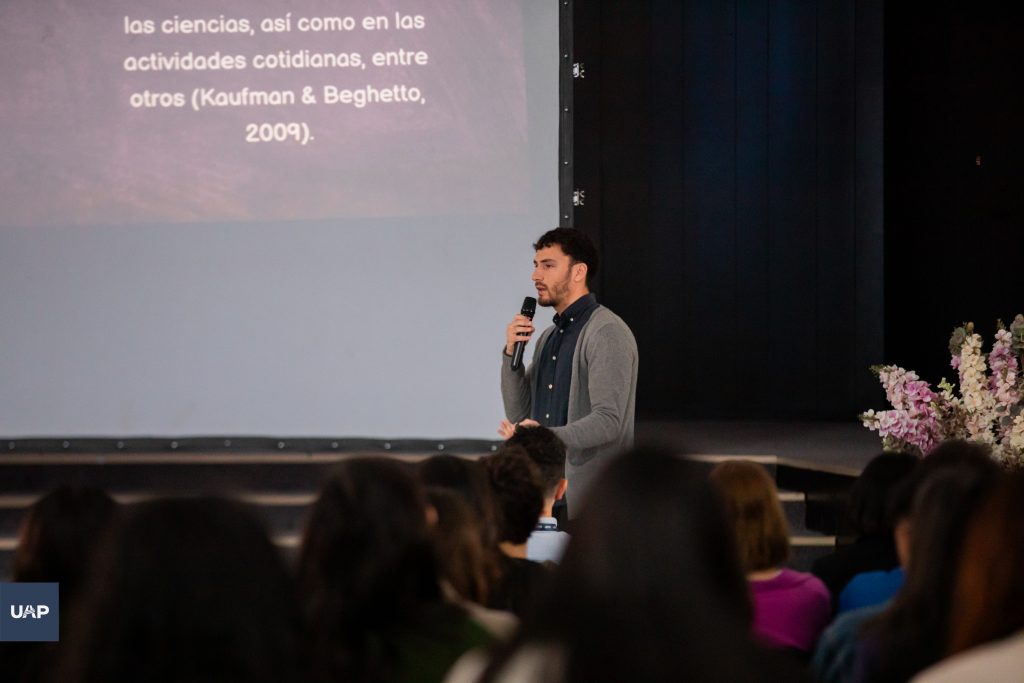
<point>554,367</point>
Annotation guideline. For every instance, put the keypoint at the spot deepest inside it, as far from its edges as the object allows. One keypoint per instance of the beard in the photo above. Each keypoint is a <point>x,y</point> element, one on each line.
<point>552,296</point>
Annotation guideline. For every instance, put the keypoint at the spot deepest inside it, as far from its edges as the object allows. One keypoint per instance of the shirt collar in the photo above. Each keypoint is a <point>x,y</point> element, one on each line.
<point>575,310</point>
<point>547,524</point>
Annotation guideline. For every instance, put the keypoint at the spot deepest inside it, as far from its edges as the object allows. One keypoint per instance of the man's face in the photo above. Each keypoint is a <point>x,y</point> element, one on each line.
<point>552,276</point>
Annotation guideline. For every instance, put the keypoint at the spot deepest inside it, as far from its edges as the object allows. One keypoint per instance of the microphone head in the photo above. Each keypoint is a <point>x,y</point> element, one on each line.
<point>529,307</point>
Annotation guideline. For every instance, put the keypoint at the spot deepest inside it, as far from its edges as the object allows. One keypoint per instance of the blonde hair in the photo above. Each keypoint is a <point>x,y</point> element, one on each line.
<point>752,505</point>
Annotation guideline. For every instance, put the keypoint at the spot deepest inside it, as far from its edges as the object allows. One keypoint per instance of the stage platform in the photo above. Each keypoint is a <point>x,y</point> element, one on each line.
<point>836,447</point>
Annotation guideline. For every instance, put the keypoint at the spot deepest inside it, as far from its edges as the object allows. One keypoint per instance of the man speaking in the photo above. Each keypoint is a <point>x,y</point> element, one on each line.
<point>582,381</point>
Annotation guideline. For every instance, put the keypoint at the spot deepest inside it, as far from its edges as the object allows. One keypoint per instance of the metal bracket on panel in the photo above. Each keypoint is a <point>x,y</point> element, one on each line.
<point>578,197</point>
<point>577,70</point>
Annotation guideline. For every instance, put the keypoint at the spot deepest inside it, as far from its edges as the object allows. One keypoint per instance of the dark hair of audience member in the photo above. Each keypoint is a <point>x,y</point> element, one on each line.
<point>988,601</point>
<point>366,568</point>
<point>58,537</point>
<point>546,451</point>
<point>186,590</point>
<point>519,491</point>
<point>469,479</point>
<point>912,633</point>
<point>651,588</point>
<point>752,505</point>
<point>458,552</point>
<point>870,494</point>
<point>960,453</point>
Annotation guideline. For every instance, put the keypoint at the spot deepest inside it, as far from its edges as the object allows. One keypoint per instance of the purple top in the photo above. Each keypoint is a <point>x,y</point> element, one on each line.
<point>791,610</point>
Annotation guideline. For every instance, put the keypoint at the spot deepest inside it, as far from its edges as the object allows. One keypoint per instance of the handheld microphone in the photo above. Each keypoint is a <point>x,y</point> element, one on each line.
<point>529,308</point>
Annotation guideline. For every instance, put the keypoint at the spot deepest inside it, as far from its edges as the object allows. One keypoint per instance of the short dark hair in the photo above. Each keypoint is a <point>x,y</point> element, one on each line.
<point>520,493</point>
<point>546,450</point>
<point>873,491</point>
<point>576,245</point>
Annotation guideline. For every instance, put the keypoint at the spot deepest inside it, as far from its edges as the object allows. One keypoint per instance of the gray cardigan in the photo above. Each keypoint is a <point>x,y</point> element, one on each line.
<point>602,397</point>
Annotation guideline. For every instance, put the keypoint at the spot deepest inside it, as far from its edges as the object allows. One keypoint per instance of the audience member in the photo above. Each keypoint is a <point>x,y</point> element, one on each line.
<point>987,618</point>
<point>519,492</point>
<point>913,632</point>
<point>546,543</point>
<point>650,589</point>
<point>460,560</point>
<point>470,480</point>
<point>791,608</point>
<point>371,592</point>
<point>186,590</point>
<point>873,549</point>
<point>56,542</point>
<point>835,656</point>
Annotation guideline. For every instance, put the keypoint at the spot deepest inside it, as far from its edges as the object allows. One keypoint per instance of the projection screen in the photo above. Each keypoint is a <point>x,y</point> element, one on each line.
<point>266,217</point>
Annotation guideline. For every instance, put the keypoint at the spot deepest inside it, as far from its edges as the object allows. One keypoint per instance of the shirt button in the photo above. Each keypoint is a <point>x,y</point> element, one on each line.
<point>571,319</point>
<point>551,386</point>
<point>547,415</point>
<point>561,332</point>
<point>554,357</point>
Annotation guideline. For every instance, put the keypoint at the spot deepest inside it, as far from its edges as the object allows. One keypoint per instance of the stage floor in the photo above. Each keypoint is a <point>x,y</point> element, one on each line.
<point>841,447</point>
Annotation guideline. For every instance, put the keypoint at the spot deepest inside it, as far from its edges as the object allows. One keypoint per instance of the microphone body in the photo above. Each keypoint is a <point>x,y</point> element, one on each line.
<point>529,308</point>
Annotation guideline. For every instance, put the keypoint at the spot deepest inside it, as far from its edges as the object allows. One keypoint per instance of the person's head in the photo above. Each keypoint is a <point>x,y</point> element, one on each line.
<point>651,587</point>
<point>988,599</point>
<point>459,554</point>
<point>58,536</point>
<point>518,488</point>
<point>871,493</point>
<point>366,565</point>
<point>752,505</point>
<point>548,452</point>
<point>564,266</point>
<point>960,453</point>
<point>974,459</point>
<point>469,479</point>
<point>913,631</point>
<point>186,589</point>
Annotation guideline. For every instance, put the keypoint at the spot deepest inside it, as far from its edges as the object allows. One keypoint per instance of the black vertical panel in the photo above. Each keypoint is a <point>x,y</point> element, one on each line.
<point>792,204</point>
<point>709,202</point>
<point>836,226</point>
<point>662,375</point>
<point>567,113</point>
<point>625,164</point>
<point>752,317</point>
<point>869,294</point>
<point>583,47</point>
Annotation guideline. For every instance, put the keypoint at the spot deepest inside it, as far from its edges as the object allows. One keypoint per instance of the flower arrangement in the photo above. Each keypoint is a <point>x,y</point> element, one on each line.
<point>987,408</point>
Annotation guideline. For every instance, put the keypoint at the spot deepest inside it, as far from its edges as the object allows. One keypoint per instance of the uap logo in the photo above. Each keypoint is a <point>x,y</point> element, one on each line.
<point>29,611</point>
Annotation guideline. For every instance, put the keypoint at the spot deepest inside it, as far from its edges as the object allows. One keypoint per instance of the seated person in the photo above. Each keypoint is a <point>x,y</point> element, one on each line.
<point>791,608</point>
<point>986,635</point>
<point>188,589</point>
<point>519,492</point>
<point>370,588</point>
<point>546,543</point>
<point>913,631</point>
<point>873,548</point>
